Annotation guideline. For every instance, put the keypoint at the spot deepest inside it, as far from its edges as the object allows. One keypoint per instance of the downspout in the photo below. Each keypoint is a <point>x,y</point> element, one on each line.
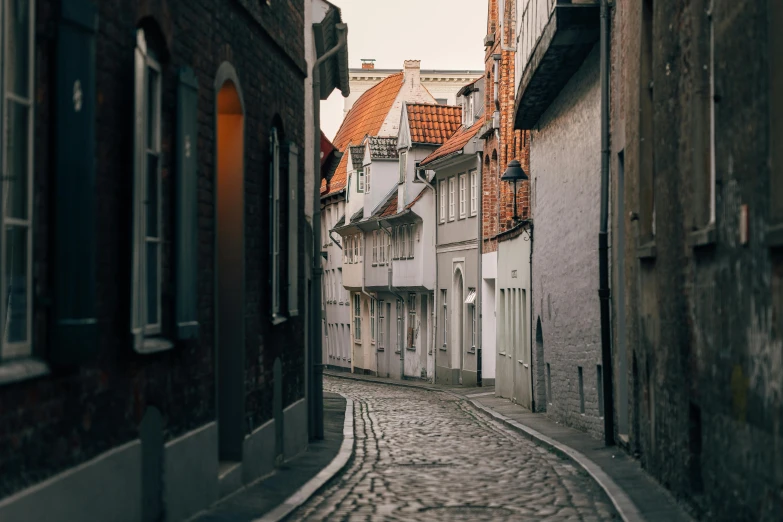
<point>316,402</point>
<point>603,237</point>
<point>432,306</point>
<point>480,280</point>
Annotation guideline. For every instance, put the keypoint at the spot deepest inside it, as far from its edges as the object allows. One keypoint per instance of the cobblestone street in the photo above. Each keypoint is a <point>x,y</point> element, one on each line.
<point>422,455</point>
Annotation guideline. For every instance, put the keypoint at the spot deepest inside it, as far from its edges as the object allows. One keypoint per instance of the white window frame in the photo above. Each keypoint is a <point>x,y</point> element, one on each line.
<point>402,237</point>
<point>463,196</point>
<point>443,194</point>
<point>445,294</point>
<point>452,195</point>
<point>144,147</point>
<point>374,247</point>
<point>16,348</point>
<point>381,247</point>
<point>372,320</point>
<point>367,179</point>
<point>473,192</point>
<point>360,181</point>
<point>403,166</point>
<point>357,318</point>
<point>473,325</point>
<point>412,319</point>
<point>411,239</point>
<point>381,326</point>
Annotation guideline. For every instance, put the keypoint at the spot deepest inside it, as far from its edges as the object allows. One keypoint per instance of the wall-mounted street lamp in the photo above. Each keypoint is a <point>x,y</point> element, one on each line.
<point>513,174</point>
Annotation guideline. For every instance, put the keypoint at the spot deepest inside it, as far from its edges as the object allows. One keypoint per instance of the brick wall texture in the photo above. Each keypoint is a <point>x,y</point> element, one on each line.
<point>55,422</point>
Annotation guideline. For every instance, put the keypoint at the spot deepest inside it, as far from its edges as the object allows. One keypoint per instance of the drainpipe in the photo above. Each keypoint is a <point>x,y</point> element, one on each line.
<point>480,280</point>
<point>603,237</point>
<point>432,311</point>
<point>315,368</point>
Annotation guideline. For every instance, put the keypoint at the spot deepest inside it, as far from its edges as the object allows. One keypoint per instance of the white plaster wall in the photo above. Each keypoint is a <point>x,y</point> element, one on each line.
<point>488,318</point>
<point>384,175</point>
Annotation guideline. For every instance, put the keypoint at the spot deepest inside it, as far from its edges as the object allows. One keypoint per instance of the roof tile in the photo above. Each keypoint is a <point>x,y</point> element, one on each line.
<point>365,118</point>
<point>455,143</point>
<point>433,124</point>
<point>383,148</point>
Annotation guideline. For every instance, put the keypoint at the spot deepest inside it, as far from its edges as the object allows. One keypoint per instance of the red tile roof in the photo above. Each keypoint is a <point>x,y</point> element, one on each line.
<point>455,143</point>
<point>365,118</point>
<point>415,200</point>
<point>389,207</point>
<point>433,124</point>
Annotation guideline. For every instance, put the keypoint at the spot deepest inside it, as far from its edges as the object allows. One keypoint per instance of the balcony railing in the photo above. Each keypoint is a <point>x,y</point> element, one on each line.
<point>533,17</point>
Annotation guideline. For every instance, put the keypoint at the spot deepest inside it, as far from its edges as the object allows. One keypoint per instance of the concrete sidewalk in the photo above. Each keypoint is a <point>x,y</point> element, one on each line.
<point>635,494</point>
<point>275,496</point>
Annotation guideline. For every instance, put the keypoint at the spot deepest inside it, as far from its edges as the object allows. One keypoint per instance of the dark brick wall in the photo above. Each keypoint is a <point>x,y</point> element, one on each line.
<point>52,423</point>
<point>703,334</point>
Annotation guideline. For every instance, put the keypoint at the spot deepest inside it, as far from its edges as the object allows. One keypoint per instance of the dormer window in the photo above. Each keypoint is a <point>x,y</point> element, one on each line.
<point>367,179</point>
<point>467,110</point>
<point>360,181</point>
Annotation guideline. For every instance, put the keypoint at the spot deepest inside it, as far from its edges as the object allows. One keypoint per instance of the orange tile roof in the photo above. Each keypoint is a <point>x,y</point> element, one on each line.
<point>365,118</point>
<point>415,200</point>
<point>433,124</point>
<point>455,143</point>
<point>389,208</point>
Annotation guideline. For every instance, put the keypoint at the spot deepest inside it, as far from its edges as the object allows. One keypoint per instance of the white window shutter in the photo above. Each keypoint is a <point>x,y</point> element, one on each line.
<point>293,230</point>
<point>138,288</point>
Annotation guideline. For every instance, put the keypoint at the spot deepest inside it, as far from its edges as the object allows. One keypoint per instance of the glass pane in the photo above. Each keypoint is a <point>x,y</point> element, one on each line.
<point>17,159</point>
<point>152,109</point>
<point>16,284</point>
<point>17,59</point>
<point>152,282</point>
<point>152,195</point>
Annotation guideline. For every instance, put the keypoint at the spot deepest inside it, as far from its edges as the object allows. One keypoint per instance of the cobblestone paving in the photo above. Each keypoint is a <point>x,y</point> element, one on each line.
<point>428,456</point>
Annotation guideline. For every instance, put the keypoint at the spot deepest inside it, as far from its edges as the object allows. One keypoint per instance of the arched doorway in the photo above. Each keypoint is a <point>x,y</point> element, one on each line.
<point>229,264</point>
<point>457,322</point>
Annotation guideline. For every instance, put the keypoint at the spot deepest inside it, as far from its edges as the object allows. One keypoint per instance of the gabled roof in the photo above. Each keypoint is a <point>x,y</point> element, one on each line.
<point>383,147</point>
<point>456,143</point>
<point>432,124</point>
<point>365,118</point>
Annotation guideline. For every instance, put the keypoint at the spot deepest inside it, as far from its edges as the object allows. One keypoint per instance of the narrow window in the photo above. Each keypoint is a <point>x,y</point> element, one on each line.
<point>704,120</point>
<point>452,182</point>
<point>360,181</point>
<point>367,179</point>
<point>402,237</point>
<point>403,166</point>
<point>411,236</point>
<point>444,296</point>
<point>381,326</point>
<point>581,391</point>
<point>357,317</point>
<point>463,202</point>
<point>400,325</point>
<point>381,246</point>
<point>548,384</point>
<point>374,247</point>
<point>372,320</point>
<point>600,384</point>
<point>147,198</point>
<point>473,324</point>
<point>274,150</point>
<point>412,321</point>
<point>442,195</point>
<point>473,192</point>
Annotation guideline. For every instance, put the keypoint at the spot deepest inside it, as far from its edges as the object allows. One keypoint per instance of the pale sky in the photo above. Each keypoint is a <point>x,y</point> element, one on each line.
<point>443,34</point>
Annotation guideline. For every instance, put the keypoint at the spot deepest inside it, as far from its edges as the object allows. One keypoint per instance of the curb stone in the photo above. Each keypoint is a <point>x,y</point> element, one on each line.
<point>337,464</point>
<point>620,500</point>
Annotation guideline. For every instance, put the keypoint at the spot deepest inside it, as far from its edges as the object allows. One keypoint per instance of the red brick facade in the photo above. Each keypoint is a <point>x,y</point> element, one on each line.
<point>506,144</point>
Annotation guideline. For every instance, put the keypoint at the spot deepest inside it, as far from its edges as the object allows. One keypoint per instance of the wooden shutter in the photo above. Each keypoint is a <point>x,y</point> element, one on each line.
<point>293,230</point>
<point>74,319</point>
<point>186,235</point>
<point>138,246</point>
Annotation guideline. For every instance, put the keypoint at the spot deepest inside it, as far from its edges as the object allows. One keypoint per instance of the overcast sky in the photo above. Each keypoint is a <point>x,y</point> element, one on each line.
<point>443,34</point>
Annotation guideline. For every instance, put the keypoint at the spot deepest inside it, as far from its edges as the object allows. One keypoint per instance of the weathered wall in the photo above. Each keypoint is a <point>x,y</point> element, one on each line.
<point>565,165</point>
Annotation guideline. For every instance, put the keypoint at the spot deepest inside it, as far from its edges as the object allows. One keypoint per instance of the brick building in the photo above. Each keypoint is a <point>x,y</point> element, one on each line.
<point>697,292</point>
<point>155,347</point>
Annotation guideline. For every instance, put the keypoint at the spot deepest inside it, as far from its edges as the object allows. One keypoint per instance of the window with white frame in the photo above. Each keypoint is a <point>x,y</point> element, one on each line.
<point>374,247</point>
<point>381,326</point>
<point>452,183</point>
<point>411,321</point>
<point>442,194</point>
<point>411,236</point>
<point>381,247</point>
<point>388,248</point>
<point>372,320</point>
<point>357,317</point>
<point>402,236</point>
<point>367,179</point>
<point>463,196</point>
<point>444,298</point>
<point>400,325</point>
<point>473,192</point>
<point>473,325</point>
<point>355,243</point>
<point>147,220</point>
<point>360,181</point>
<point>395,249</point>
<point>403,166</point>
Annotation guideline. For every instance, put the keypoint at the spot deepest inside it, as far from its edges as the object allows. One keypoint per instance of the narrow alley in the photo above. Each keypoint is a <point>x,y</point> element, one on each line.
<point>408,441</point>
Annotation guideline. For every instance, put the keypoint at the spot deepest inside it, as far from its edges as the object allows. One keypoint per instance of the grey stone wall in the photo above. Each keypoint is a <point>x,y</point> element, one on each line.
<point>565,167</point>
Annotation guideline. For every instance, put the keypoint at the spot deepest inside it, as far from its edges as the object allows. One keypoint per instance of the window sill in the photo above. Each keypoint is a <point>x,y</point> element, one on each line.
<point>647,251</point>
<point>503,354</point>
<point>472,351</point>
<point>473,215</point>
<point>775,236</point>
<point>396,351</point>
<point>381,349</point>
<point>18,370</point>
<point>443,348</point>
<point>411,348</point>
<point>356,342</point>
<point>278,319</point>
<point>703,237</point>
<point>155,345</point>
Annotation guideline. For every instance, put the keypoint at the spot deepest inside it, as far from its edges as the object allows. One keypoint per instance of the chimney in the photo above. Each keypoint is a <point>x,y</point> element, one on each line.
<point>412,72</point>
<point>368,63</point>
